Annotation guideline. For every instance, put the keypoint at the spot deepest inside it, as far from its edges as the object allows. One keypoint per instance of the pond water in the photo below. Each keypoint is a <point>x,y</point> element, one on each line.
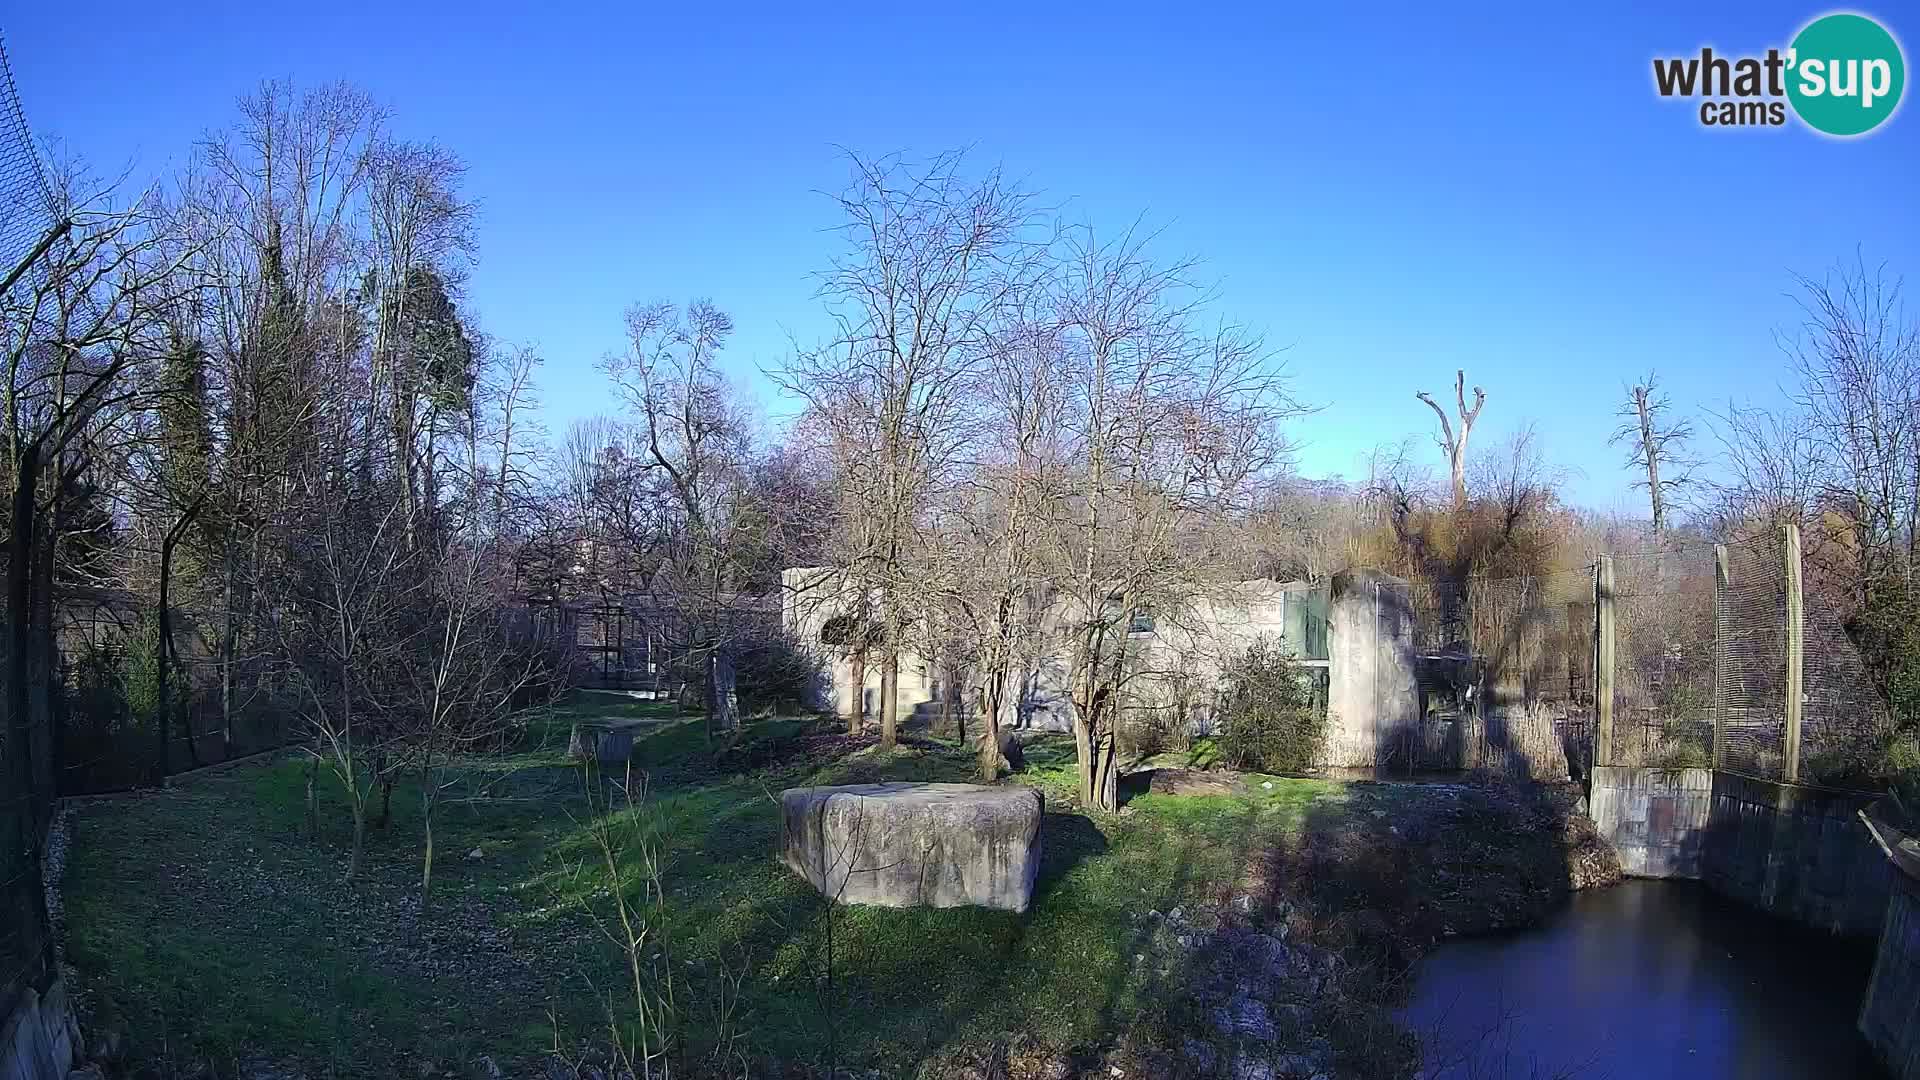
<point>1646,980</point>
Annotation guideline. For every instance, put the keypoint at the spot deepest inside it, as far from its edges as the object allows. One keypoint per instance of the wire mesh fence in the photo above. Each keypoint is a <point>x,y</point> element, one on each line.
<point>1704,673</point>
<point>1751,626</point>
<point>1844,723</point>
<point>1697,675</point>
<point>1663,677</point>
<point>26,750</point>
<point>109,733</point>
<point>1503,674</point>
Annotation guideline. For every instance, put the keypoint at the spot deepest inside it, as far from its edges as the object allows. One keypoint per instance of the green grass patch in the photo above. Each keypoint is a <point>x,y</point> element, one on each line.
<point>216,926</point>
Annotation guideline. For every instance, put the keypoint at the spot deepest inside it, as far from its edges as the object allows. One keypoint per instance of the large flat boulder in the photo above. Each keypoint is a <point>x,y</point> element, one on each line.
<point>915,845</point>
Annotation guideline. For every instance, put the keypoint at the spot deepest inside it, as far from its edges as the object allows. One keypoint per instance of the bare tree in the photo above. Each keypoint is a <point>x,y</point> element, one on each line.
<point>931,259</point>
<point>1452,443</point>
<point>480,665</point>
<point>1842,458</point>
<point>352,598</point>
<point>1168,428</point>
<point>984,560</point>
<point>1657,445</point>
<point>694,433</point>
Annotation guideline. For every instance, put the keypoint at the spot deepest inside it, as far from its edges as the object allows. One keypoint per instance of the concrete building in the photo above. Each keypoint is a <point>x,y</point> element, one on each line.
<point>1357,636</point>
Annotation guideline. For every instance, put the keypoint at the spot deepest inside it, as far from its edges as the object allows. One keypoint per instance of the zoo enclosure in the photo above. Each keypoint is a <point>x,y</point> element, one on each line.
<point>1700,655</point>
<point>1728,656</point>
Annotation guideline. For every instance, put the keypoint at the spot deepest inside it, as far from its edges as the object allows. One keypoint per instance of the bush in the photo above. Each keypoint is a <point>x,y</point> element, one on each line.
<point>1903,760</point>
<point>1270,719</point>
<point>774,674</point>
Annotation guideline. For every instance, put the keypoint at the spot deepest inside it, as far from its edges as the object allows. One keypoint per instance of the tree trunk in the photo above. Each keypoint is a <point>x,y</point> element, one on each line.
<point>1083,754</point>
<point>990,695</point>
<point>386,802</point>
<point>313,804</point>
<point>956,705</point>
<point>857,709</point>
<point>226,646</point>
<point>359,838</point>
<point>428,790</point>
<point>426,849</point>
<point>890,698</point>
<point>1650,450</point>
<point>163,656</point>
<point>1107,773</point>
<point>20,621</point>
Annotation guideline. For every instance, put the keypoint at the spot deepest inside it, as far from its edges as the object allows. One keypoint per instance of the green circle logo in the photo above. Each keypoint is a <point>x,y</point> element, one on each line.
<point>1845,74</point>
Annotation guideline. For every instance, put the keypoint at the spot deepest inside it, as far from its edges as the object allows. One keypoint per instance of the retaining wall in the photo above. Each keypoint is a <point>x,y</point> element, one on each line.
<point>1656,819</point>
<point>1796,852</point>
<point>1890,1015</point>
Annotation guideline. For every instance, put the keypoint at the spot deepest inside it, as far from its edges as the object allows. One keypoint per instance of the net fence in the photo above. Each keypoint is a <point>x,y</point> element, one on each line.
<point>26,752</point>
<point>219,709</point>
<point>1663,677</point>
<point>1699,677</point>
<point>1845,723</point>
<point>1702,638</point>
<point>1503,673</point>
<point>1752,657</point>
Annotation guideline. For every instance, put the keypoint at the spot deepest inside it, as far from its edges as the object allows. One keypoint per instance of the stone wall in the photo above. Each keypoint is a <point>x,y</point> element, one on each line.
<point>39,1041</point>
<point>1890,1014</point>
<point>1796,852</point>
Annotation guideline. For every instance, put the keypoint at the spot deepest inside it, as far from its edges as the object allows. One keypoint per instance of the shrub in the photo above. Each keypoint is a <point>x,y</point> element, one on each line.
<point>774,673</point>
<point>1270,718</point>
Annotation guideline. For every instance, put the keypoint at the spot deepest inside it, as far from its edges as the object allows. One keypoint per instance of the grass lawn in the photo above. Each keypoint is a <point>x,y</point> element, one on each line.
<point>208,923</point>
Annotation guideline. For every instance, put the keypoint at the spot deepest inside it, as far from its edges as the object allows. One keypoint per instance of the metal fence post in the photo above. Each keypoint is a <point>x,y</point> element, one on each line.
<point>1603,651</point>
<point>1721,575</point>
<point>1795,655</point>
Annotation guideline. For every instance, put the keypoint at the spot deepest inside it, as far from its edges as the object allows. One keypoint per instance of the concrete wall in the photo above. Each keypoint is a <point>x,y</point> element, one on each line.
<point>1192,643</point>
<point>1372,700</point>
<point>1656,819</point>
<point>1796,852</point>
<point>1890,1014</point>
<point>40,1040</point>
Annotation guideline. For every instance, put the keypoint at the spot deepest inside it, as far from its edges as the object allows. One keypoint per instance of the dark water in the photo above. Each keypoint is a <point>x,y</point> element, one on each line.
<point>1647,980</point>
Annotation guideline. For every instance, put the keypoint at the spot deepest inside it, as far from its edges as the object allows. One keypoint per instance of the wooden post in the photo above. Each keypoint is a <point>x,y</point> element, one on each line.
<point>1795,655</point>
<point>1721,579</point>
<point>1603,660</point>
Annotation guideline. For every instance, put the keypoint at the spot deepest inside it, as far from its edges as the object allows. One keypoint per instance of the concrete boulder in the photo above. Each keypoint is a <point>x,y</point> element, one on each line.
<point>915,845</point>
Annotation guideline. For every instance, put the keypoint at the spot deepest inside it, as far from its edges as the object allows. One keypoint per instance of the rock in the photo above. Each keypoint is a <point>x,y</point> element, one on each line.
<point>476,853</point>
<point>608,741</point>
<point>1055,1067</point>
<point>1012,750</point>
<point>1201,1054</point>
<point>87,1072</point>
<point>915,844</point>
<point>1252,1069</point>
<point>484,1068</point>
<point>1244,1018</point>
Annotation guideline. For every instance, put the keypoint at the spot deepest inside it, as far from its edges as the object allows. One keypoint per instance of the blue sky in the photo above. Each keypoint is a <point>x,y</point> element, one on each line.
<point>1390,192</point>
